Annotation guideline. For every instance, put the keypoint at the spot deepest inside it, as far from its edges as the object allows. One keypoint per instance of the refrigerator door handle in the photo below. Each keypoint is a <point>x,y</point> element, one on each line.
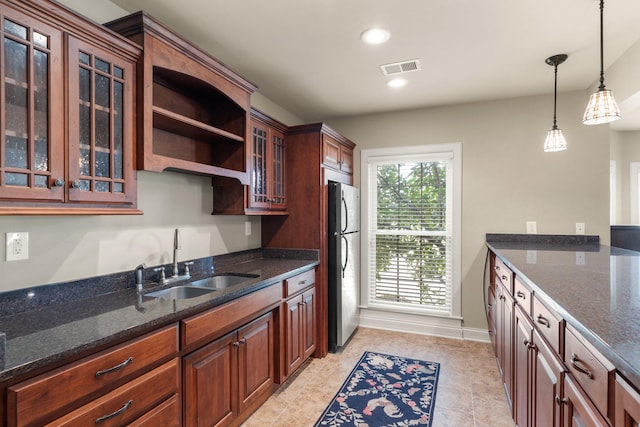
<point>346,215</point>
<point>346,258</point>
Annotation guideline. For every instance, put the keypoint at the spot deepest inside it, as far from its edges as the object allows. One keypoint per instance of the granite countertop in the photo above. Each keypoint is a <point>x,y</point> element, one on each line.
<point>53,332</point>
<point>595,288</point>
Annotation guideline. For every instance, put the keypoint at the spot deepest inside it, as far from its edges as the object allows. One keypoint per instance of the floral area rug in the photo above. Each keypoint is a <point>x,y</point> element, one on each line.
<point>385,390</point>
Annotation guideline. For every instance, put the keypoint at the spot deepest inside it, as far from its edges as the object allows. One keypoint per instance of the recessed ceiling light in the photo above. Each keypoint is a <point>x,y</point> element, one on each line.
<point>375,36</point>
<point>396,83</point>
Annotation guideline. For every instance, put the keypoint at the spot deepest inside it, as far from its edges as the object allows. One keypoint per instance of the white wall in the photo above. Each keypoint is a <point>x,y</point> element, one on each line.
<point>507,178</point>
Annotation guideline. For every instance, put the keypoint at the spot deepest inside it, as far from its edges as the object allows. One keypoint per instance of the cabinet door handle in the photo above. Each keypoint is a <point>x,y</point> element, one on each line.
<point>575,362</point>
<point>75,184</point>
<point>115,368</point>
<point>560,401</point>
<point>58,182</point>
<point>243,340</point>
<point>114,414</point>
<point>504,277</point>
<point>497,267</point>
<point>543,321</point>
<point>521,294</point>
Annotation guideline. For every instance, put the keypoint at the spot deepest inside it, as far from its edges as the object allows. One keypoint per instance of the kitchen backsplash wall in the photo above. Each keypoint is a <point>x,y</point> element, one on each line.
<point>63,248</point>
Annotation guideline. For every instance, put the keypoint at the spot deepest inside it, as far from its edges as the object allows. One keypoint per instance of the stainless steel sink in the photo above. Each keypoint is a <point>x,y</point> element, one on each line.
<point>221,281</point>
<point>180,292</point>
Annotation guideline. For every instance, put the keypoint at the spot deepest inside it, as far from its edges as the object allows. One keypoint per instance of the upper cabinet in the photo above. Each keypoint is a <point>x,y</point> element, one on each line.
<point>266,192</point>
<point>337,154</point>
<point>49,53</point>
<point>193,112</point>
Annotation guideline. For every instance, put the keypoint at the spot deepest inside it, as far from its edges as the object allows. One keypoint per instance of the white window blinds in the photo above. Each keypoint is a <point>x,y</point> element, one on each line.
<point>410,234</point>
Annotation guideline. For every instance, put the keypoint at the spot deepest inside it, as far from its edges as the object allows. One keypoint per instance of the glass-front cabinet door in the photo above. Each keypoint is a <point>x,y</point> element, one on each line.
<point>32,110</point>
<point>100,126</point>
<point>278,200</point>
<point>260,171</point>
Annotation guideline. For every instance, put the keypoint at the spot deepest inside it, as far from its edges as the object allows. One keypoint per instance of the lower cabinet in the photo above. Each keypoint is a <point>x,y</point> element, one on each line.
<point>230,375</point>
<point>300,329</point>
<point>627,404</point>
<point>579,410</point>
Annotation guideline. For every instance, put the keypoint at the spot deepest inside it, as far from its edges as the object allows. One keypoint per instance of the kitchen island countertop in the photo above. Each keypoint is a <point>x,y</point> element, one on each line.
<point>595,288</point>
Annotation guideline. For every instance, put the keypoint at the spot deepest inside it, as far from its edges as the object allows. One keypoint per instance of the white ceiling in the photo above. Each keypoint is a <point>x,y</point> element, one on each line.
<point>306,55</point>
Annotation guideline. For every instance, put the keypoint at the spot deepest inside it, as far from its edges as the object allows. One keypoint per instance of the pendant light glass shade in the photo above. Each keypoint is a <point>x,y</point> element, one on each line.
<point>602,107</point>
<point>555,141</point>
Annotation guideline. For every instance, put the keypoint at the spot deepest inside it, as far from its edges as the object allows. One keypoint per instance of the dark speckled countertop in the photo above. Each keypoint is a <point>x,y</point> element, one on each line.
<point>51,332</point>
<point>595,288</point>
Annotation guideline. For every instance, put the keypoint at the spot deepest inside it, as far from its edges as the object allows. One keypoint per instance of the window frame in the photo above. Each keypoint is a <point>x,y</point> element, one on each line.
<point>453,153</point>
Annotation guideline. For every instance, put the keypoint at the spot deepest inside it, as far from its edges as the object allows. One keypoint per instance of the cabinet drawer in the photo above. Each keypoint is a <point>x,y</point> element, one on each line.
<point>297,283</point>
<point>215,322</point>
<point>166,414</point>
<point>504,274</point>
<point>522,295</point>
<point>549,323</point>
<point>128,402</point>
<point>589,368</point>
<point>38,397</point>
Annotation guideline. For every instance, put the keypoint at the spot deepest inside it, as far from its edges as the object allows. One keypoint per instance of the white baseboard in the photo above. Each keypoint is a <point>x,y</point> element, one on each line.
<point>419,324</point>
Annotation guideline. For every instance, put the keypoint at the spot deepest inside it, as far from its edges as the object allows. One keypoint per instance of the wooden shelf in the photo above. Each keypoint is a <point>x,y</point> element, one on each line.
<point>176,123</point>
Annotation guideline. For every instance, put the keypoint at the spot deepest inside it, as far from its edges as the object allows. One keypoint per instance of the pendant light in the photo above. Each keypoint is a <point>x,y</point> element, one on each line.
<point>602,107</point>
<point>555,139</point>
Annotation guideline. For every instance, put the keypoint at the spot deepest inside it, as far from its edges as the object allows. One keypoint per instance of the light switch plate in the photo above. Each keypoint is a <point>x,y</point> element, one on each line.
<point>247,228</point>
<point>17,246</point>
<point>580,227</point>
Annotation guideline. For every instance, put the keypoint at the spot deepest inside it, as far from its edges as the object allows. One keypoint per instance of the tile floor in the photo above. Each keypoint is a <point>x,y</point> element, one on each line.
<point>469,389</point>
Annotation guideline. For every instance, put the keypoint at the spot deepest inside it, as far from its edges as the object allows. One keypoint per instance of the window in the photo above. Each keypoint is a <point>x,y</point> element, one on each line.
<point>412,198</point>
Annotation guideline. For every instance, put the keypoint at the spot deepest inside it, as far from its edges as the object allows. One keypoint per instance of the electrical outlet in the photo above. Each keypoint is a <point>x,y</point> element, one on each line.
<point>532,227</point>
<point>247,228</point>
<point>17,246</point>
<point>580,227</point>
<point>580,258</point>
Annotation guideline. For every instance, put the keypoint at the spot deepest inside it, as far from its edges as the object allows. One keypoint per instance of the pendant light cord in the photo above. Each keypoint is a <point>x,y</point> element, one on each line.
<point>555,94</point>
<point>601,87</point>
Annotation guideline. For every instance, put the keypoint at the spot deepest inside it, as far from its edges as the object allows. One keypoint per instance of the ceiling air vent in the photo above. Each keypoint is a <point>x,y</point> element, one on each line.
<point>396,68</point>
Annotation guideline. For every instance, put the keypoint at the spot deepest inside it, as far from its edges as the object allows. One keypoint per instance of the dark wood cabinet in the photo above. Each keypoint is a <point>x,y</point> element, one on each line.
<point>336,154</point>
<point>58,68</point>
<point>101,384</point>
<point>266,192</point>
<point>300,330</point>
<point>547,382</point>
<point>522,369</point>
<point>579,410</point>
<point>504,339</point>
<point>627,404</point>
<point>193,113</point>
<point>231,375</point>
<point>307,203</point>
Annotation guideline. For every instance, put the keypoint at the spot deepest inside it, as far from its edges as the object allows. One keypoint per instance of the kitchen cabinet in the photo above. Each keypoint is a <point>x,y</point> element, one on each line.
<point>231,375</point>
<point>627,410</point>
<point>193,114</point>
<point>336,154</point>
<point>559,378</point>
<point>501,321</point>
<point>137,400</point>
<point>58,68</point>
<point>101,384</point>
<point>579,410</point>
<point>307,203</point>
<point>300,321</point>
<point>266,192</point>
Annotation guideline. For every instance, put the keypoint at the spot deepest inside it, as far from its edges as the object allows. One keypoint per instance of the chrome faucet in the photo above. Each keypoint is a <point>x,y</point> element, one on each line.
<point>139,272</point>
<point>176,246</point>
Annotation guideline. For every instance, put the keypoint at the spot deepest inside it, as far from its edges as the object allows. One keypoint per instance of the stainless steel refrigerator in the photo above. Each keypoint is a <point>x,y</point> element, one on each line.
<point>344,263</point>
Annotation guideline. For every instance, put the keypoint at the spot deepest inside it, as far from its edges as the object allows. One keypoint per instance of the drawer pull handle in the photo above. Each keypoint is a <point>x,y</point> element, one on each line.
<point>543,321</point>
<point>575,361</point>
<point>504,277</point>
<point>520,294</point>
<point>115,368</point>
<point>497,268</point>
<point>114,414</point>
<point>302,282</point>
